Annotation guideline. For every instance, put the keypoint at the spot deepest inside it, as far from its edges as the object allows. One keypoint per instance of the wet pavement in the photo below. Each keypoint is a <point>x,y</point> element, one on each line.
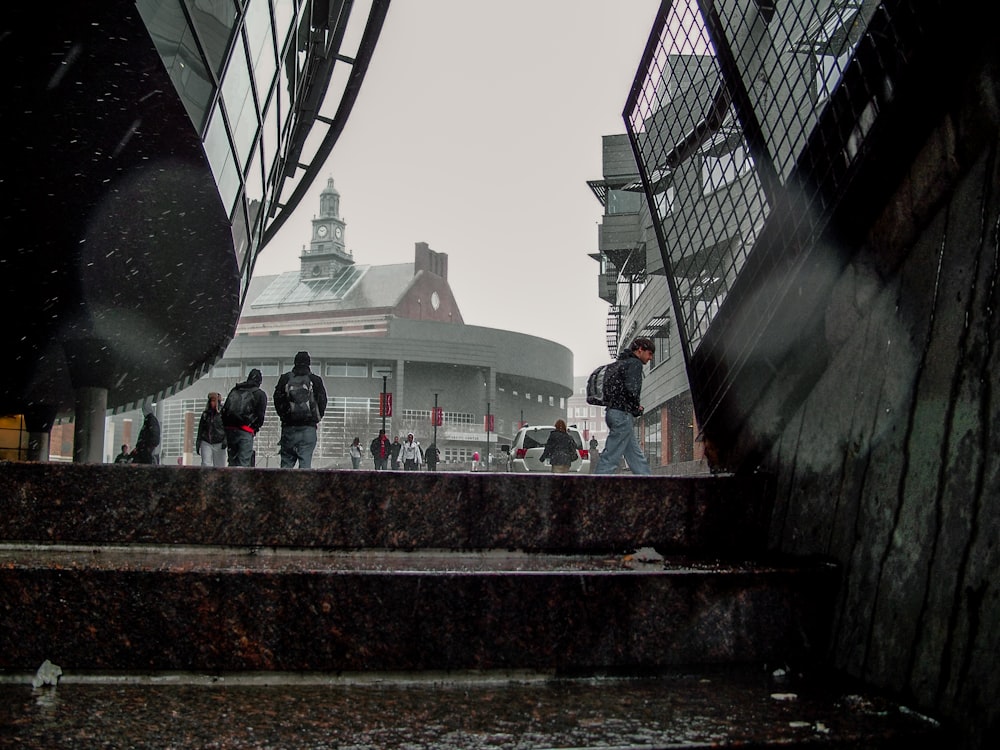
<point>747,708</point>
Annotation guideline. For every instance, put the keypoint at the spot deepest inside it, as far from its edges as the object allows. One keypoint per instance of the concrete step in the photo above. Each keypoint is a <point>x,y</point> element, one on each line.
<point>692,710</point>
<point>226,609</point>
<point>84,504</point>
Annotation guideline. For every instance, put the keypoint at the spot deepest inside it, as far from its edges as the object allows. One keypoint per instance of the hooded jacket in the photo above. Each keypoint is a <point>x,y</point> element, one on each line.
<point>252,419</point>
<point>623,386</point>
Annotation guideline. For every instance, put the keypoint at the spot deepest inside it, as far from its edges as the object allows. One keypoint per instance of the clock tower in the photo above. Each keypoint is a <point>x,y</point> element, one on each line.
<point>327,254</point>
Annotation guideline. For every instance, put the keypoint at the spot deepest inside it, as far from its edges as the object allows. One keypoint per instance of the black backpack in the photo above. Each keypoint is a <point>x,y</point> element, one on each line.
<point>597,382</point>
<point>302,404</point>
<point>239,408</point>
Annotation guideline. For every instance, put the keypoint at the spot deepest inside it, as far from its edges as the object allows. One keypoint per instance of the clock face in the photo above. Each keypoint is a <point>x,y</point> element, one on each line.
<point>339,232</point>
<point>321,231</point>
<point>435,300</point>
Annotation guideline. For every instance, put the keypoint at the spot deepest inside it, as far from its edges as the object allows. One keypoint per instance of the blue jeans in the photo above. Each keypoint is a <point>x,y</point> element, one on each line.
<point>297,443</point>
<point>239,445</point>
<point>621,442</point>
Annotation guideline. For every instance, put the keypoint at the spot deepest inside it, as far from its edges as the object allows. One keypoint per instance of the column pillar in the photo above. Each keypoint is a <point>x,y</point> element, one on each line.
<point>90,374</point>
<point>39,420</point>
<point>91,405</point>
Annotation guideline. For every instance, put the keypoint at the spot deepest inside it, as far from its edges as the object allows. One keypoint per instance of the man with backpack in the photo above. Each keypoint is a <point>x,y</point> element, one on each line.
<point>622,390</point>
<point>300,400</point>
<point>243,416</point>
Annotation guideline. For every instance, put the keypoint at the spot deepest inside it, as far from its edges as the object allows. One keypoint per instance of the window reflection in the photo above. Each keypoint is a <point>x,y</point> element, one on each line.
<point>176,45</point>
<point>214,21</point>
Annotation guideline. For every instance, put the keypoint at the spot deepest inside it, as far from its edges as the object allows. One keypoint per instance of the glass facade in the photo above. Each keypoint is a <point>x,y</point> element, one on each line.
<point>243,69</point>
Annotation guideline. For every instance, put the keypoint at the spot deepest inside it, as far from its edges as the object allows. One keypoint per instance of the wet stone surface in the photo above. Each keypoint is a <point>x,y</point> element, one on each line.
<point>707,709</point>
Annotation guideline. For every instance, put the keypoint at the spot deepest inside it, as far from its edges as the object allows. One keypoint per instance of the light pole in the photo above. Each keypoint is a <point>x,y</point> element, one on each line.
<point>383,407</point>
<point>435,420</point>
<point>488,462</point>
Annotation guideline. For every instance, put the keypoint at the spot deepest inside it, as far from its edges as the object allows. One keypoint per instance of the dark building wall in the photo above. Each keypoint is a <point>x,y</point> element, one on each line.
<point>888,461</point>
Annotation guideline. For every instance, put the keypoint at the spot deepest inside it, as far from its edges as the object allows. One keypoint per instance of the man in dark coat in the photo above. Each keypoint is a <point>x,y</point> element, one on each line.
<point>243,416</point>
<point>145,451</point>
<point>622,389</point>
<point>381,450</point>
<point>300,400</point>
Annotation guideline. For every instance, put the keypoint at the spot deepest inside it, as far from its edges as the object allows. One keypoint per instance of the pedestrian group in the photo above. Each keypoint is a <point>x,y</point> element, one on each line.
<point>226,430</point>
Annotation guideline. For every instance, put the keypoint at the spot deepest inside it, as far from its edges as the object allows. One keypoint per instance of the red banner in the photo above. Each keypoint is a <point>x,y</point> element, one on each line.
<point>385,404</point>
<point>488,422</point>
<point>437,416</point>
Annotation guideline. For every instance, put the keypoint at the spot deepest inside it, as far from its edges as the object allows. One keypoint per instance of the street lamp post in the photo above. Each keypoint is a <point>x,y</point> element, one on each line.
<point>488,462</point>
<point>384,405</point>
<point>435,420</point>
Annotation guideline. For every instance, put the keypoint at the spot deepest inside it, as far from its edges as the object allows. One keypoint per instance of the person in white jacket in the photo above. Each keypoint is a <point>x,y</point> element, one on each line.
<point>411,454</point>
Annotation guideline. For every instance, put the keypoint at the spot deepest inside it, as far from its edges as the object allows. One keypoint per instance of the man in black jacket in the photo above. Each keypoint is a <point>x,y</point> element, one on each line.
<point>622,389</point>
<point>300,400</point>
<point>243,416</point>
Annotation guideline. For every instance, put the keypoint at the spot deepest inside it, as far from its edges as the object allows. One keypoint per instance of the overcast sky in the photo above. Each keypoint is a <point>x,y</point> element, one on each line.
<point>476,130</point>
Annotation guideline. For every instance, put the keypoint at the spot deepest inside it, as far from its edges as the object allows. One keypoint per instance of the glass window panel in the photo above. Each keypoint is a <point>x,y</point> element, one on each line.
<point>284,21</point>
<point>346,370</point>
<point>261,43</point>
<point>239,104</point>
<point>220,156</point>
<point>176,45</point>
<point>214,21</point>
<point>269,135</point>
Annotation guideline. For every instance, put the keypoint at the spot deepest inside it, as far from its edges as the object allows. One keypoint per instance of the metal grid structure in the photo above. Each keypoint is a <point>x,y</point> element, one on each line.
<point>748,120</point>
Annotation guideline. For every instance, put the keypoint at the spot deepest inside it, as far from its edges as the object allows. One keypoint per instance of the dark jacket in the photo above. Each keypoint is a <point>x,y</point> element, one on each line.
<point>211,430</point>
<point>377,450</point>
<point>623,386</point>
<point>560,449</point>
<point>149,438</point>
<point>254,416</point>
<point>281,397</point>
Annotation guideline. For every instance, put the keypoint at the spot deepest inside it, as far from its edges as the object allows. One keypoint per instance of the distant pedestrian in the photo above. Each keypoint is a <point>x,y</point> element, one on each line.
<point>147,445</point>
<point>381,449</point>
<point>622,389</point>
<point>394,453</point>
<point>560,449</point>
<point>123,457</point>
<point>412,456</point>
<point>475,460</point>
<point>300,400</point>
<point>355,452</point>
<point>594,455</point>
<point>210,442</point>
<point>431,456</point>
<point>243,415</point>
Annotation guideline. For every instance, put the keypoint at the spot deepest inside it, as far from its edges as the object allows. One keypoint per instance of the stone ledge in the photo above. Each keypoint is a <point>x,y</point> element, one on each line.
<point>155,611</point>
<point>74,503</point>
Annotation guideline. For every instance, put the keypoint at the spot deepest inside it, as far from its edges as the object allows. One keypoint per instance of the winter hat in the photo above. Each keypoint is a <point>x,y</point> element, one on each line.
<point>302,358</point>
<point>255,377</point>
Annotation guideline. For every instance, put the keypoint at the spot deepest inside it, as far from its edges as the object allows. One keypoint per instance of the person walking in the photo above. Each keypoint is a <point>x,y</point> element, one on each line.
<point>123,457</point>
<point>243,415</point>
<point>475,460</point>
<point>395,448</point>
<point>594,454</point>
<point>355,452</point>
<point>560,449</point>
<point>412,457</point>
<point>622,389</point>
<point>381,449</point>
<point>300,400</point>
<point>210,442</point>
<point>147,445</point>
<point>431,456</point>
